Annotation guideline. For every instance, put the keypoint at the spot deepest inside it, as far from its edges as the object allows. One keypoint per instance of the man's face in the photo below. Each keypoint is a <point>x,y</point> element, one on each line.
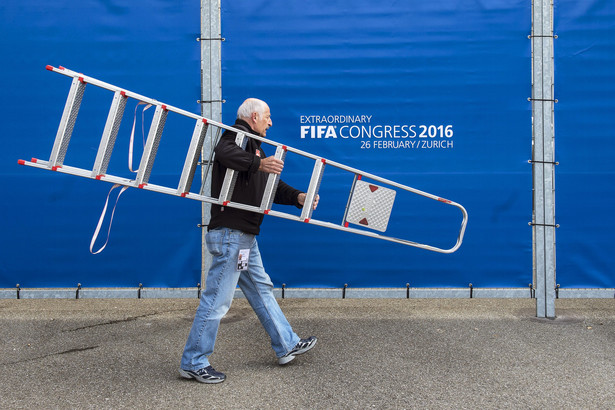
<point>262,122</point>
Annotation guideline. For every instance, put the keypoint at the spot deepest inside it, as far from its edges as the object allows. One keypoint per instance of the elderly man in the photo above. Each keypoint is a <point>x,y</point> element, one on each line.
<point>231,239</point>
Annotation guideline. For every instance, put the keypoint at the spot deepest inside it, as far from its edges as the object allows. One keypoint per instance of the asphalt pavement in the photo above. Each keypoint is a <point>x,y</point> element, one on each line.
<point>371,353</point>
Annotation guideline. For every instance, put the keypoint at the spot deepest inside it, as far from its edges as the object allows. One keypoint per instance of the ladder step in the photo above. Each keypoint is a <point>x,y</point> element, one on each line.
<point>151,146</point>
<point>317,173</point>
<point>226,192</point>
<point>67,122</point>
<point>370,205</point>
<point>112,126</point>
<point>272,181</point>
<point>192,159</point>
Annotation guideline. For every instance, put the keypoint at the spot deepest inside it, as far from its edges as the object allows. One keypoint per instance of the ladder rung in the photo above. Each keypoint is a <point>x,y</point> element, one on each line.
<point>231,175</point>
<point>192,159</point>
<point>272,181</point>
<point>67,123</point>
<point>151,145</point>
<point>319,169</point>
<point>112,126</point>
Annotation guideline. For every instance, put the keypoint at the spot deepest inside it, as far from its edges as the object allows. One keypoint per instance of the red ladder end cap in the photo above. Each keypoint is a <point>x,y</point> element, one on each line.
<point>141,186</point>
<point>98,177</point>
<point>267,211</point>
<point>204,120</point>
<point>225,203</point>
<point>307,220</point>
<point>34,160</point>
<point>21,162</point>
<point>183,195</point>
<point>48,67</point>
<point>55,168</point>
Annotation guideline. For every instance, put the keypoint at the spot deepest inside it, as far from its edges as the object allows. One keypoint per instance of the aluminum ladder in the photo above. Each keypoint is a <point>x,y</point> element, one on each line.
<point>369,205</point>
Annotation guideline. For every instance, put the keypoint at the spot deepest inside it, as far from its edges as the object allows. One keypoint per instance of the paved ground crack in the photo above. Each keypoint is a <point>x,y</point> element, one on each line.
<point>74,350</point>
<point>128,319</point>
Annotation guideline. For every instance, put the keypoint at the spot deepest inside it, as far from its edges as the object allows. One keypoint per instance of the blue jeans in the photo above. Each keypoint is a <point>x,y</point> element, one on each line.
<point>224,244</point>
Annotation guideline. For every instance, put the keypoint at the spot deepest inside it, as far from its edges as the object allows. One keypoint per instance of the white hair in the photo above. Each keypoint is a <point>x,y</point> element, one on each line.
<point>250,106</point>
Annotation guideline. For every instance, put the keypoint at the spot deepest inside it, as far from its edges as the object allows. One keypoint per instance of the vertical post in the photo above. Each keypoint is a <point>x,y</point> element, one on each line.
<point>211,102</point>
<point>543,157</point>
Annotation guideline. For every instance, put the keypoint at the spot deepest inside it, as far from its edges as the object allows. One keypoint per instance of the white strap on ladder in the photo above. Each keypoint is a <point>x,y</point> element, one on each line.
<point>102,218</point>
<point>130,155</point>
<point>132,133</point>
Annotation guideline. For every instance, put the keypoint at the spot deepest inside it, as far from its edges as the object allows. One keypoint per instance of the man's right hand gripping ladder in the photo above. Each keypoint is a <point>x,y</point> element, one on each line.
<point>369,204</point>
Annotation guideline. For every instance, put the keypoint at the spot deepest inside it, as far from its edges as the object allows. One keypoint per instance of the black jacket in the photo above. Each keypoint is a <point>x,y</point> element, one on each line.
<point>250,184</point>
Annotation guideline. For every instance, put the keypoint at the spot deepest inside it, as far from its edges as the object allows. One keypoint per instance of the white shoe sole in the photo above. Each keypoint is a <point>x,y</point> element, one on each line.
<point>187,375</point>
<point>287,359</point>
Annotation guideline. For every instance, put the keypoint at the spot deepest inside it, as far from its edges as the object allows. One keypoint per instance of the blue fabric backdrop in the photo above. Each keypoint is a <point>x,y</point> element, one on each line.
<point>47,218</point>
<point>456,71</point>
<point>419,65</point>
<point>585,147</point>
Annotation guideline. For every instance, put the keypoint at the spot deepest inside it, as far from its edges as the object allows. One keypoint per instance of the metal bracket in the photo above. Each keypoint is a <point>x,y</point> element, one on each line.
<point>210,39</point>
<point>531,161</point>
<point>535,224</point>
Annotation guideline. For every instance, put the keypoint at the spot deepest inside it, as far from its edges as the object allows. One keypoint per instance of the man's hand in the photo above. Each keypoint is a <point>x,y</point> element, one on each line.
<point>301,200</point>
<point>271,165</point>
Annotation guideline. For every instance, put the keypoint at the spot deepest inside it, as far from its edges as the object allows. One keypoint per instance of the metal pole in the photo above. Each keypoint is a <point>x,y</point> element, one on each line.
<point>211,103</point>
<point>543,154</point>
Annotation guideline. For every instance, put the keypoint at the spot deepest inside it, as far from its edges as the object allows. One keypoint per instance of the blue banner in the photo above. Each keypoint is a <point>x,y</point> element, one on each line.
<point>584,143</point>
<point>49,218</point>
<point>432,95</point>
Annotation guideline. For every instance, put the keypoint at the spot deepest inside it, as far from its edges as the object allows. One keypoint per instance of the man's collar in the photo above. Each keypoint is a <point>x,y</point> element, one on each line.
<point>244,123</point>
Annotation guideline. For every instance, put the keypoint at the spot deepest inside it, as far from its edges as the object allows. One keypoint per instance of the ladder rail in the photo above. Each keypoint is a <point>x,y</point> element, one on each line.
<point>203,198</point>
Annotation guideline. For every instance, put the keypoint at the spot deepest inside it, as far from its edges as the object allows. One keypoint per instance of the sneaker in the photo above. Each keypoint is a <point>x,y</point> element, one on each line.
<point>205,375</point>
<point>303,346</point>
